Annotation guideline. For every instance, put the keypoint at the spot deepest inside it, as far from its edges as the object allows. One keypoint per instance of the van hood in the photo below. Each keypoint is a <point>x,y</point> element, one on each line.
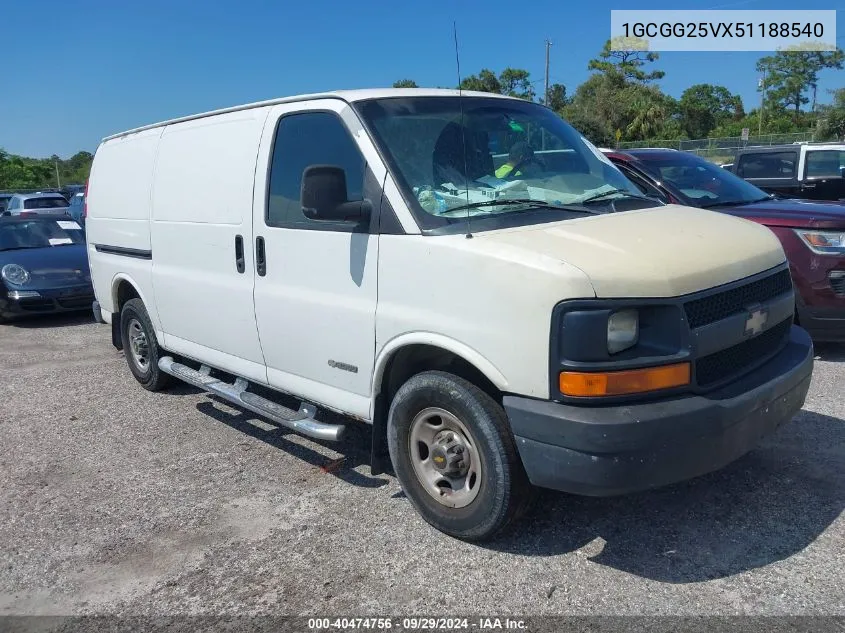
<point>659,252</point>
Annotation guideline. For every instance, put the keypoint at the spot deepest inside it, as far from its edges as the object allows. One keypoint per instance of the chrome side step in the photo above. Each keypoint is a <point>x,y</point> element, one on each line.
<point>301,421</point>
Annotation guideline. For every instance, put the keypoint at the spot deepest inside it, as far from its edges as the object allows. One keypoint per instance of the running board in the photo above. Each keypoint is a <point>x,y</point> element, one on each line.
<point>301,421</point>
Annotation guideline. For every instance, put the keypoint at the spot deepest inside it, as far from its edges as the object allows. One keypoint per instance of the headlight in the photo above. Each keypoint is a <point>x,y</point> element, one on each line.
<point>623,330</point>
<point>823,242</point>
<point>14,274</point>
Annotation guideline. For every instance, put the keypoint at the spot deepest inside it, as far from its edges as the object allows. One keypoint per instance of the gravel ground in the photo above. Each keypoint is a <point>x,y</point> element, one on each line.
<point>119,501</point>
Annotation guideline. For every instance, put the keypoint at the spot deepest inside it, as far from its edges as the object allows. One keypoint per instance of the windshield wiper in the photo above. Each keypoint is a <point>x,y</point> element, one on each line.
<point>534,203</point>
<point>733,203</point>
<point>613,192</point>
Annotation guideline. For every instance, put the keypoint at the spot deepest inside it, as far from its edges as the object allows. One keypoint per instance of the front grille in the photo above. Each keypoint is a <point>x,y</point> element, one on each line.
<point>734,301</point>
<point>71,303</point>
<point>733,360</point>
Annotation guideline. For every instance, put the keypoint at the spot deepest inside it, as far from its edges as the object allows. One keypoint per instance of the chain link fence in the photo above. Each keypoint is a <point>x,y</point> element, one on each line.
<point>721,149</point>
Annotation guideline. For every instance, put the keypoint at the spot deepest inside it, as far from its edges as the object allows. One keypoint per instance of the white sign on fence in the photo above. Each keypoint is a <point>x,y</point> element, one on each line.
<point>745,132</point>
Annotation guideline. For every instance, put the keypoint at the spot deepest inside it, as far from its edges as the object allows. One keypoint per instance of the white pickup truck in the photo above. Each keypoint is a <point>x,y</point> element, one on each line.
<point>463,272</point>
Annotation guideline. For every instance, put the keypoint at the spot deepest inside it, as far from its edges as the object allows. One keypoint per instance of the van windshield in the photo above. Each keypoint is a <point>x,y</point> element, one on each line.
<point>460,156</point>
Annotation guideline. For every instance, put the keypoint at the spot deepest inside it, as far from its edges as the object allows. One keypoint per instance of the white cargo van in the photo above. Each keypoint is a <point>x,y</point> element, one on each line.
<point>463,272</point>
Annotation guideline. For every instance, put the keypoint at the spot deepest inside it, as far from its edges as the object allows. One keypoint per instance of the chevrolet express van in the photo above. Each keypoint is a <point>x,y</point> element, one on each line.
<point>465,273</point>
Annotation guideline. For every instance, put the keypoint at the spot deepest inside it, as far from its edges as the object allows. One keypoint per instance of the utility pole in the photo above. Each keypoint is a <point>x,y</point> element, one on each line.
<point>762,86</point>
<point>58,181</point>
<point>546,91</point>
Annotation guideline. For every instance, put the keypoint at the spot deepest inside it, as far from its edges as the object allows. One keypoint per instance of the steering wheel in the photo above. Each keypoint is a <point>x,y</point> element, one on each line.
<point>525,161</point>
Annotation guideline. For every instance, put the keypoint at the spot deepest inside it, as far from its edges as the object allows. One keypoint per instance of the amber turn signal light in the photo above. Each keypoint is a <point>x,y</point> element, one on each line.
<point>619,383</point>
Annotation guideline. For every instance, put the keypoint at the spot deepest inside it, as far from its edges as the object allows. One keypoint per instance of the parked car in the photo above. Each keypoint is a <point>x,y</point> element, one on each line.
<point>69,191</point>
<point>37,203</point>
<point>43,267</point>
<point>356,250</point>
<point>76,208</point>
<point>812,233</point>
<point>814,172</point>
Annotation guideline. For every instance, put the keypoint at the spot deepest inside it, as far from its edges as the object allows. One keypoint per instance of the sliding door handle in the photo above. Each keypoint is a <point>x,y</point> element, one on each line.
<point>240,262</point>
<point>260,257</point>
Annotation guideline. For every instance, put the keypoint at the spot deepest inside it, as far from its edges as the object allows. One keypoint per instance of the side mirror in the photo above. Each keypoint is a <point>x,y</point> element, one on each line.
<point>323,196</point>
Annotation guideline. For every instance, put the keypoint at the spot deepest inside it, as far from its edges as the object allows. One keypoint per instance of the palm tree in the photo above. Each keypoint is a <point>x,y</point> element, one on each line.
<point>648,119</point>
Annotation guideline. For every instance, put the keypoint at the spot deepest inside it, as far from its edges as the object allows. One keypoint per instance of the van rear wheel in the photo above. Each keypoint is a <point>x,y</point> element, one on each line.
<point>140,346</point>
<point>454,454</point>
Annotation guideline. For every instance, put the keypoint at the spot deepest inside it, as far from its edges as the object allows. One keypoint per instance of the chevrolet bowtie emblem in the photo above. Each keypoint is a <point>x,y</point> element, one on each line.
<point>756,321</point>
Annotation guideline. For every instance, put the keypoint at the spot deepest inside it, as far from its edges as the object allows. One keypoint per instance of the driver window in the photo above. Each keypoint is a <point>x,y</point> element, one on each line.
<point>303,139</point>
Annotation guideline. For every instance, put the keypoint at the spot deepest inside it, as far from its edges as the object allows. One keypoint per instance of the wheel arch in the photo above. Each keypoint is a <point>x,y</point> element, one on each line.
<point>123,288</point>
<point>409,354</point>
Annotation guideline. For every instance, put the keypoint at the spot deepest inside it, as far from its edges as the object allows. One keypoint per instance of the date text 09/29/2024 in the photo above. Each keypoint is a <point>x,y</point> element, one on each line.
<point>416,624</point>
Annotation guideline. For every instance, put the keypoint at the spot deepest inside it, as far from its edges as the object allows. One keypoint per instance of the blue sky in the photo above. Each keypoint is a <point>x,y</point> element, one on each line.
<point>103,67</point>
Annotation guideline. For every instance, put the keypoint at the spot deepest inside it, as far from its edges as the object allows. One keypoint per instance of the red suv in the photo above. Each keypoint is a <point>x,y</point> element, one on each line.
<point>812,234</point>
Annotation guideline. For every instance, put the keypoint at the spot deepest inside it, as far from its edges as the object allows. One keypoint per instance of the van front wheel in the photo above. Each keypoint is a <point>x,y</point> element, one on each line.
<point>454,454</point>
<point>140,346</point>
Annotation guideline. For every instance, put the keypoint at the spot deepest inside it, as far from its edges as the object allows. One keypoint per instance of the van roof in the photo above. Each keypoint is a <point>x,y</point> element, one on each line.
<point>350,96</point>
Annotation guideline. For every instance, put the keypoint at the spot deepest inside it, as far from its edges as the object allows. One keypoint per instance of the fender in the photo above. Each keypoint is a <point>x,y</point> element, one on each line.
<point>469,354</point>
<point>115,317</point>
<point>379,458</point>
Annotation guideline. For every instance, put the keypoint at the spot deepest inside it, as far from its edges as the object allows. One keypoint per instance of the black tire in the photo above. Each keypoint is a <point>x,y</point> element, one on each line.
<point>505,491</point>
<point>148,374</point>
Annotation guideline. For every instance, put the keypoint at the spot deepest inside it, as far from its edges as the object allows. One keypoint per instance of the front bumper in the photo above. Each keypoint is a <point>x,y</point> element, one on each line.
<point>825,324</point>
<point>603,451</point>
<point>52,300</point>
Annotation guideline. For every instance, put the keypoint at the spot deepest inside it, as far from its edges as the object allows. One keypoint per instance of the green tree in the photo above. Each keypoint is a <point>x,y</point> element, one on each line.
<point>405,83</point>
<point>703,107</point>
<point>515,83</point>
<point>485,81</point>
<point>599,97</point>
<point>773,123</point>
<point>646,112</point>
<point>789,75</point>
<point>557,97</point>
<point>18,172</point>
<point>606,102</point>
<point>511,81</point>
<point>593,127</point>
<point>831,125</point>
<point>672,128</point>
<point>627,63</point>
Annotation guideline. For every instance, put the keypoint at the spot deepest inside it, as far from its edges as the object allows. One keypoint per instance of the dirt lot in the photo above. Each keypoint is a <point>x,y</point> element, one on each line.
<point>116,500</point>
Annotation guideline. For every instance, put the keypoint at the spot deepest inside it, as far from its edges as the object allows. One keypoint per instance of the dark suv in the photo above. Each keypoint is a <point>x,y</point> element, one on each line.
<point>812,234</point>
<point>814,172</point>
